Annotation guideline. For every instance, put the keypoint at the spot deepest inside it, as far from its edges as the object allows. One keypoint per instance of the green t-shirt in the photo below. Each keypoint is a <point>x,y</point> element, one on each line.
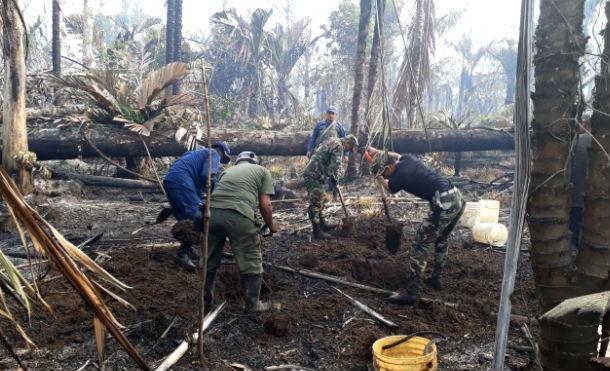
<point>240,186</point>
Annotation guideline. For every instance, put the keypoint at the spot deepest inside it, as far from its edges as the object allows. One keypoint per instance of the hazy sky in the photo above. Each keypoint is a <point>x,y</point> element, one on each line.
<point>486,20</point>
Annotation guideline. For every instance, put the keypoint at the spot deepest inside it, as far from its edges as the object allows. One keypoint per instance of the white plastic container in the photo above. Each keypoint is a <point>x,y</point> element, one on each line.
<point>470,217</point>
<point>490,211</point>
<point>494,234</point>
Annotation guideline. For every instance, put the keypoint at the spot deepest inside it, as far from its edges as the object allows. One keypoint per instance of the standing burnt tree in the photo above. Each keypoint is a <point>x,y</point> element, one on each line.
<point>569,328</point>
<point>15,154</point>
<point>56,38</point>
<point>363,33</point>
<point>559,46</point>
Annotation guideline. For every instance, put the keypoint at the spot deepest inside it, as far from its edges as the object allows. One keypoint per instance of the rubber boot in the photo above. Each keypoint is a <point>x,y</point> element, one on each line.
<point>434,280</point>
<point>208,291</point>
<point>325,226</point>
<point>318,234</point>
<point>252,290</point>
<point>182,257</point>
<point>409,295</point>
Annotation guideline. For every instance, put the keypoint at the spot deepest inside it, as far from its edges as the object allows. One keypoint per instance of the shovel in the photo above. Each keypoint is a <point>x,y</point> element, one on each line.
<point>393,229</point>
<point>347,225</point>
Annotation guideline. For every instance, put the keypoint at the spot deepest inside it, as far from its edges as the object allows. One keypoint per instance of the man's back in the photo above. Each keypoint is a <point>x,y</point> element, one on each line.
<point>240,187</point>
<point>191,168</point>
<point>326,160</point>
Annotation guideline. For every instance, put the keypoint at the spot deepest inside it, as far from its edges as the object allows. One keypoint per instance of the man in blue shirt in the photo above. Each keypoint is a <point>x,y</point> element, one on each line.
<point>325,129</point>
<point>184,185</point>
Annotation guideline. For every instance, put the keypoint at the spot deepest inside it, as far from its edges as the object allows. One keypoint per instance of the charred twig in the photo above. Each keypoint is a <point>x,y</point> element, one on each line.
<point>366,309</point>
<point>10,350</point>
<point>108,159</point>
<point>152,165</point>
<point>334,279</point>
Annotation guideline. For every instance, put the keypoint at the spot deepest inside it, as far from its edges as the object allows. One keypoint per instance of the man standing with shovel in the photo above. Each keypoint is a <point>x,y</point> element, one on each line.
<point>409,174</point>
<point>324,167</point>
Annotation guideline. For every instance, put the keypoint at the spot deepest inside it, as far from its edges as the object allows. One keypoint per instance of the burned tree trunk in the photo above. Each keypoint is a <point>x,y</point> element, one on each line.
<point>363,33</point>
<point>87,34</point>
<point>169,32</point>
<point>15,154</point>
<point>593,260</point>
<point>56,35</point>
<point>177,49</point>
<point>52,143</point>
<point>559,44</point>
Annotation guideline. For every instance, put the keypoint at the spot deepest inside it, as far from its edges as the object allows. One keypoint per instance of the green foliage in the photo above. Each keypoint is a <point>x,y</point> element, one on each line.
<point>342,31</point>
<point>487,120</point>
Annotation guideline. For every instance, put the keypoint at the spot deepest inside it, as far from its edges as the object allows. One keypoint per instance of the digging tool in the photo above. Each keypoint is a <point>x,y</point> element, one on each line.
<point>347,225</point>
<point>393,230</point>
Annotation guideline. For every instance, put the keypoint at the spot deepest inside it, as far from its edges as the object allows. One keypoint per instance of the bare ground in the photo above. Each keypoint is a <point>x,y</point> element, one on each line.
<point>311,324</point>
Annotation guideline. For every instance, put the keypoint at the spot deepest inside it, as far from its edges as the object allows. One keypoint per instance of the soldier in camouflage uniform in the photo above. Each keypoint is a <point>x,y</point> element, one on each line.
<point>446,207</point>
<point>323,167</point>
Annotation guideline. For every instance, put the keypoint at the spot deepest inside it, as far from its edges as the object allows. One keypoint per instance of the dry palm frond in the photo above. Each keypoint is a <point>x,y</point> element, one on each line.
<point>186,100</point>
<point>65,256</point>
<point>159,80</point>
<point>94,92</point>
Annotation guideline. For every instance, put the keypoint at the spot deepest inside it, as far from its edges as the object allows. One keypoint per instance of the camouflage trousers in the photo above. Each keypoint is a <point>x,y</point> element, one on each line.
<point>318,197</point>
<point>433,234</point>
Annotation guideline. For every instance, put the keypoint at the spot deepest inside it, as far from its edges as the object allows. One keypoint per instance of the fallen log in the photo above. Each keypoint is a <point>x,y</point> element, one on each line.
<point>52,143</point>
<point>104,181</point>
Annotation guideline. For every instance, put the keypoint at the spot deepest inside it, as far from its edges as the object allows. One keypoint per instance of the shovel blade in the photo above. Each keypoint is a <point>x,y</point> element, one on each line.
<point>393,237</point>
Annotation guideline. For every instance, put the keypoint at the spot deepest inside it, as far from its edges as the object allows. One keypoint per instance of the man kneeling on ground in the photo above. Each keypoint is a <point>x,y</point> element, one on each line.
<point>239,189</point>
<point>407,173</point>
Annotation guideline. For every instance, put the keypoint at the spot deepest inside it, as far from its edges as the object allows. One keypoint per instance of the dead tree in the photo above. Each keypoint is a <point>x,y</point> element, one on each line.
<point>56,38</point>
<point>52,143</point>
<point>15,154</point>
<point>363,34</point>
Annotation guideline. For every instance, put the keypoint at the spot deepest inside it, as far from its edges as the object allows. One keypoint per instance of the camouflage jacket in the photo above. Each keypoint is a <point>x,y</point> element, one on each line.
<point>326,160</point>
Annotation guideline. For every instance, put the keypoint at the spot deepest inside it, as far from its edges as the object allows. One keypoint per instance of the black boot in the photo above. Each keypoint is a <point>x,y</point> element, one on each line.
<point>325,226</point>
<point>208,291</point>
<point>318,234</point>
<point>252,290</point>
<point>410,294</point>
<point>182,257</point>
<point>434,280</point>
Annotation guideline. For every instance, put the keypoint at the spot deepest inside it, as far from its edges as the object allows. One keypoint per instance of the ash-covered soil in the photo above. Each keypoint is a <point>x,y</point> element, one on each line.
<point>311,324</point>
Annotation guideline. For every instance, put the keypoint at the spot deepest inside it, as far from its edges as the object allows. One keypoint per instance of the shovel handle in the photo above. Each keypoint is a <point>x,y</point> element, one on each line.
<point>342,202</point>
<point>384,200</point>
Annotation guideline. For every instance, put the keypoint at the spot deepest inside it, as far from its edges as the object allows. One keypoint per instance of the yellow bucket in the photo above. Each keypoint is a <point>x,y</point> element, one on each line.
<point>408,356</point>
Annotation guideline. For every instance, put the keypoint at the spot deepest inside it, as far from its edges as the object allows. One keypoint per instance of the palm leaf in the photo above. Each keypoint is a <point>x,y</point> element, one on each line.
<point>65,256</point>
<point>158,80</point>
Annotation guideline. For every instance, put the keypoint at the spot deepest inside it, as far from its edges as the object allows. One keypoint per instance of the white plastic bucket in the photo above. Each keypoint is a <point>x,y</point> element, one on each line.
<point>490,211</point>
<point>470,217</point>
<point>494,234</point>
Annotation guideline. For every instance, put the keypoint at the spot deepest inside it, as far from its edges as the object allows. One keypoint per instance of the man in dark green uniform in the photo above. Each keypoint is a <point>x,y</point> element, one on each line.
<point>324,167</point>
<point>238,191</point>
<point>409,174</point>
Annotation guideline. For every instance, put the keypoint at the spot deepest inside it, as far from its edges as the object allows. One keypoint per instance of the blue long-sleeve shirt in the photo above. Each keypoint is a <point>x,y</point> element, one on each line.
<point>191,170</point>
<point>319,129</point>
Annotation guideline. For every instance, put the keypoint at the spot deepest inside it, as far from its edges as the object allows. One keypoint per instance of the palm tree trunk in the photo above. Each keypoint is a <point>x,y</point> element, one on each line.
<point>363,32</point>
<point>374,63</point>
<point>87,34</point>
<point>56,42</point>
<point>169,32</point>
<point>559,44</point>
<point>177,50</point>
<point>593,260</point>
<point>15,154</point>
<point>415,68</point>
